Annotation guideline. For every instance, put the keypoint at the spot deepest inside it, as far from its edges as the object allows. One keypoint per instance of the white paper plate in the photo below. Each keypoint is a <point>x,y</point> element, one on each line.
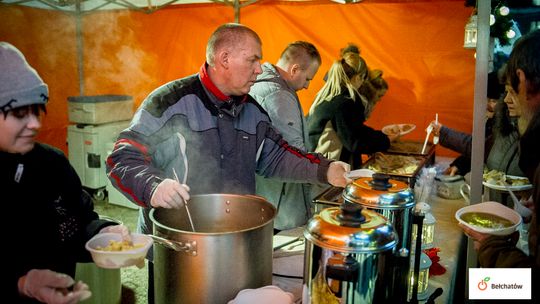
<point>403,129</point>
<point>359,173</point>
<point>492,185</point>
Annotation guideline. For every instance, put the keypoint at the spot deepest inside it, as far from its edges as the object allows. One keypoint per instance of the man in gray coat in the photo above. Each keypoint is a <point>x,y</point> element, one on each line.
<point>275,90</point>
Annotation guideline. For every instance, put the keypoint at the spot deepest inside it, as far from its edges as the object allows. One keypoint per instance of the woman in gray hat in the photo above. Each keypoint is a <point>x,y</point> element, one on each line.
<point>42,193</point>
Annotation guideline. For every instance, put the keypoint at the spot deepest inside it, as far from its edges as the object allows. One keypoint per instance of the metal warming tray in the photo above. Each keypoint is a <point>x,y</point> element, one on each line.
<point>398,166</point>
<point>414,148</point>
<point>330,197</point>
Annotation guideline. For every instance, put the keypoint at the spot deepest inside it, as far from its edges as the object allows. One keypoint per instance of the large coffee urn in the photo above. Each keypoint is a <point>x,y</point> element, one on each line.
<point>346,258</point>
<point>395,201</point>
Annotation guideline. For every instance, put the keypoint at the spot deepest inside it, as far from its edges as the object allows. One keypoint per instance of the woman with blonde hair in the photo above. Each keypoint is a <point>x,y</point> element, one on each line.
<point>336,119</point>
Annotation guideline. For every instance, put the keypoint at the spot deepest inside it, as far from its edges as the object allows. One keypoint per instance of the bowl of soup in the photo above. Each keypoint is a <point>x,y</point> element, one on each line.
<point>489,217</point>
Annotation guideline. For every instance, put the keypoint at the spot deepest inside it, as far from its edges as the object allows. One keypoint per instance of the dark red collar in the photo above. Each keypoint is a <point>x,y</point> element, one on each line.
<point>207,82</point>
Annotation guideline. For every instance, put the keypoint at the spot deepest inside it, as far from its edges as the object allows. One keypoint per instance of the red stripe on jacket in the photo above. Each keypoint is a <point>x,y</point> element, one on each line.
<point>124,188</point>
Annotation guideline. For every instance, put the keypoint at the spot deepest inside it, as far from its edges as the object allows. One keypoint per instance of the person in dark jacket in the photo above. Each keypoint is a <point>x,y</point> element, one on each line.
<point>205,131</point>
<point>501,126</point>
<point>42,194</point>
<point>336,120</point>
<point>523,82</point>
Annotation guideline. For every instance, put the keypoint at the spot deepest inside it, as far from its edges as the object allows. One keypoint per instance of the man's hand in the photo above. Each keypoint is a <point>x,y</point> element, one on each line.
<point>394,137</point>
<point>170,194</point>
<point>51,287</point>
<point>452,171</point>
<point>336,174</point>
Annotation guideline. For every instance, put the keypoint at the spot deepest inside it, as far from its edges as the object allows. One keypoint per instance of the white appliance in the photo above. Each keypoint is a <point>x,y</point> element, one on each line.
<point>88,147</point>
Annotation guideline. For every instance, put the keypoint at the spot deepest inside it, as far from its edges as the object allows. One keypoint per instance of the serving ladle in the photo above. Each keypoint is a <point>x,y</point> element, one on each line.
<point>185,203</point>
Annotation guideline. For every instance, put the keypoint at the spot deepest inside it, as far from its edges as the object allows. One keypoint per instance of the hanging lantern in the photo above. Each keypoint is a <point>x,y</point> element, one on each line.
<point>471,31</point>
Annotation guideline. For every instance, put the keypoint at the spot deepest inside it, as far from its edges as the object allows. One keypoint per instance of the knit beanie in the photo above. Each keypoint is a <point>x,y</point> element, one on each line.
<point>20,84</point>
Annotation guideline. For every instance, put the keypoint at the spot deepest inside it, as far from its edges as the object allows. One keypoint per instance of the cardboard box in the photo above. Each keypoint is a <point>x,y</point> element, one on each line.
<point>99,109</point>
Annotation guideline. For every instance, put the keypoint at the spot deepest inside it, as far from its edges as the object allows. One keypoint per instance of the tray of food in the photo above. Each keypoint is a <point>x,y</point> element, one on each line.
<point>410,147</point>
<point>397,166</point>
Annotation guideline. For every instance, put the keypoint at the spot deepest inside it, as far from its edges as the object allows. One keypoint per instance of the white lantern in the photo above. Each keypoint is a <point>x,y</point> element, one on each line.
<point>428,226</point>
<point>423,276</point>
<point>471,33</point>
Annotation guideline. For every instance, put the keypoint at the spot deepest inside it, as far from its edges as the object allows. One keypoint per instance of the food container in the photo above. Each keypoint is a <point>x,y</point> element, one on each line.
<point>402,167</point>
<point>118,258</point>
<point>230,250</point>
<point>347,256</point>
<point>494,208</point>
<point>409,147</point>
<point>395,201</point>
<point>99,109</point>
<point>448,187</point>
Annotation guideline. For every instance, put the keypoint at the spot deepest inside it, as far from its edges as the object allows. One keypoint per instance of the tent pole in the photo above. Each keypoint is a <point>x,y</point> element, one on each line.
<point>479,121</point>
<point>237,11</point>
<point>79,41</point>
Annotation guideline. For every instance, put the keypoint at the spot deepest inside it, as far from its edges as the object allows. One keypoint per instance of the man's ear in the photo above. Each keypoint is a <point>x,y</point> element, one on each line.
<point>295,68</point>
<point>223,59</point>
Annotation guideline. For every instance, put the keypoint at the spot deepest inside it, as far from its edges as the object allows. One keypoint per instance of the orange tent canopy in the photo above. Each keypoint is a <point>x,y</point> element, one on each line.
<point>418,45</point>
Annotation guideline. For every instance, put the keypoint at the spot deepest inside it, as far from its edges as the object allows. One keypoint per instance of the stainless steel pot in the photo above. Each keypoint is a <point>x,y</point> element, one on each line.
<point>230,250</point>
<point>346,256</point>
<point>395,201</point>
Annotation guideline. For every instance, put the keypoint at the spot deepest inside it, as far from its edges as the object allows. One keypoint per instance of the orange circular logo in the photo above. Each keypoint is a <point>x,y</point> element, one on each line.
<point>482,285</point>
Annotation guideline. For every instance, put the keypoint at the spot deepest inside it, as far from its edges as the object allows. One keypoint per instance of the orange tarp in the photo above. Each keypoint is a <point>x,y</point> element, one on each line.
<point>418,45</point>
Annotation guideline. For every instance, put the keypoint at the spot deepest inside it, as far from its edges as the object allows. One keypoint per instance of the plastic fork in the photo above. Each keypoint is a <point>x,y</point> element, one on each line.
<point>429,129</point>
<point>436,137</point>
<point>518,207</point>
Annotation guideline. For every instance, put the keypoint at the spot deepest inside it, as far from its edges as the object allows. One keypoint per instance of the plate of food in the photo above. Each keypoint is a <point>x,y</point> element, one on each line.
<point>398,129</point>
<point>499,181</point>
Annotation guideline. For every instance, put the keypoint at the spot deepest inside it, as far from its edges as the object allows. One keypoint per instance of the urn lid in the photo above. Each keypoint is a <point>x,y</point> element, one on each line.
<point>357,230</point>
<point>379,192</point>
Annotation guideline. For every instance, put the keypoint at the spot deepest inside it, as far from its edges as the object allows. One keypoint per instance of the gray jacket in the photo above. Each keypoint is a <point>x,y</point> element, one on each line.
<point>502,154</point>
<point>215,145</point>
<point>293,200</point>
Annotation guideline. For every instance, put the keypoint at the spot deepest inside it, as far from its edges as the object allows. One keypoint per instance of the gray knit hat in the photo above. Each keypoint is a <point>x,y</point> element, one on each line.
<point>20,84</point>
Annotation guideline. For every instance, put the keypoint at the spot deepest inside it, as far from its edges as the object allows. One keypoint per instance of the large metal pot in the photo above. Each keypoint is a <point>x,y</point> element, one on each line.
<point>346,256</point>
<point>230,250</point>
<point>395,201</point>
